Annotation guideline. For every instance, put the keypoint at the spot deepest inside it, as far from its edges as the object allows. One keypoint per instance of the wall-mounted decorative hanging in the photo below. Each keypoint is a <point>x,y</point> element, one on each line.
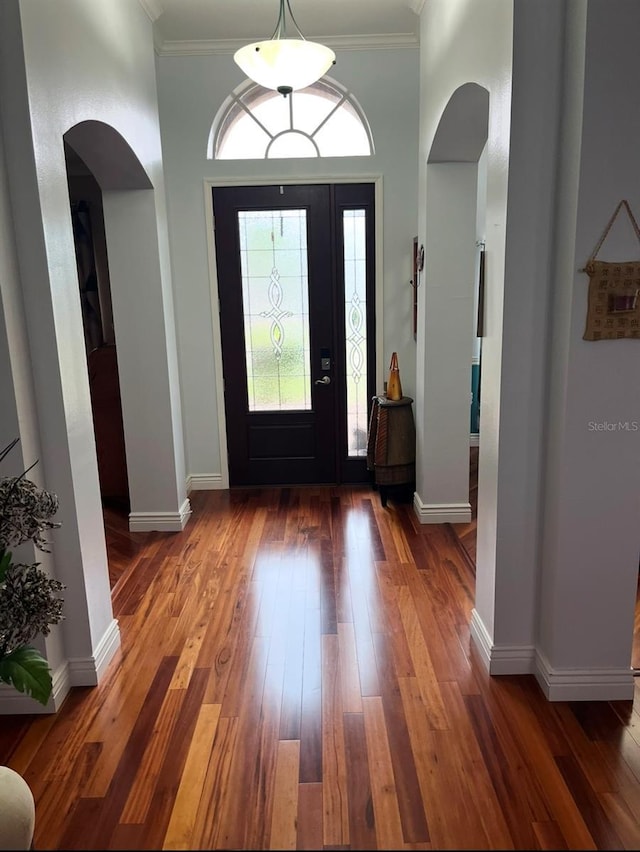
<point>418,265</point>
<point>480,317</point>
<point>614,292</point>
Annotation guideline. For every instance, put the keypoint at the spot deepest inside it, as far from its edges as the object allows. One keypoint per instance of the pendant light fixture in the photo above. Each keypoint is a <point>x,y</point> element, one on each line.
<point>283,63</point>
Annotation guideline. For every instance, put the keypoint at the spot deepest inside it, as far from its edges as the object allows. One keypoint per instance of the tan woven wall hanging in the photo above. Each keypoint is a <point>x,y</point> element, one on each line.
<point>614,292</point>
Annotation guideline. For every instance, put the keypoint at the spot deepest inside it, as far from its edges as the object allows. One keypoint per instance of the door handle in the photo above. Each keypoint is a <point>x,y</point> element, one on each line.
<point>325,380</point>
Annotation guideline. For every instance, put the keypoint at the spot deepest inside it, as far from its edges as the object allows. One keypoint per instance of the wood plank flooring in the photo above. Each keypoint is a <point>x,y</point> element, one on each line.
<point>296,672</point>
<point>466,533</point>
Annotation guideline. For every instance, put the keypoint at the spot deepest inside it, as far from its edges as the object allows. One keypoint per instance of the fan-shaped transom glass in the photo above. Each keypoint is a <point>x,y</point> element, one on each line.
<point>323,120</point>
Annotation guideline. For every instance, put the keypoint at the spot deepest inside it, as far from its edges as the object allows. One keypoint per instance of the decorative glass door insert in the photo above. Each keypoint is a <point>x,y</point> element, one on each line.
<point>275,294</point>
<point>355,314</point>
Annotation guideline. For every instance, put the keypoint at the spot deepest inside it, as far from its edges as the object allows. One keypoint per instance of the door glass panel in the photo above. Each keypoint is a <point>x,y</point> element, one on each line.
<point>275,297</point>
<point>355,313</point>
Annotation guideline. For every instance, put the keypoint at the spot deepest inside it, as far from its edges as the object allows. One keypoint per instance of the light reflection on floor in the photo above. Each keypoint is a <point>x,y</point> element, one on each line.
<point>292,592</point>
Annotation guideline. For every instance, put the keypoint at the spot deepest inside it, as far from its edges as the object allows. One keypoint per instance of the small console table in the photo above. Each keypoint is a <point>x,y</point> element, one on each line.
<point>391,443</point>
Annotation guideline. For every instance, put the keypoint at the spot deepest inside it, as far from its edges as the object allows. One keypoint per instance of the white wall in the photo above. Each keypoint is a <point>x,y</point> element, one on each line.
<point>18,418</point>
<point>466,42</point>
<point>592,506</point>
<point>481,230</point>
<point>190,91</point>
<point>446,325</point>
<point>83,61</point>
<point>518,403</point>
<point>558,501</point>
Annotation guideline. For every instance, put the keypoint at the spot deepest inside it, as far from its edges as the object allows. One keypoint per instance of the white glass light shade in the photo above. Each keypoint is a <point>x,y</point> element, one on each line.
<point>285,64</point>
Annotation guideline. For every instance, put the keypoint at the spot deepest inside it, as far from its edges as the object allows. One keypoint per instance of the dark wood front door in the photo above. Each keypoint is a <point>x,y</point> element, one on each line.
<point>295,268</point>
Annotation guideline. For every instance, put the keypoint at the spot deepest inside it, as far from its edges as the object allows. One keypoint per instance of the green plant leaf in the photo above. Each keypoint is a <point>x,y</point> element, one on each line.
<point>28,671</point>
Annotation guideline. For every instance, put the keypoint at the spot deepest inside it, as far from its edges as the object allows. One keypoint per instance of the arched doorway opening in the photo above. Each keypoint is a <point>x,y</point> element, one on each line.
<point>457,180</point>
<point>447,341</point>
<point>98,159</point>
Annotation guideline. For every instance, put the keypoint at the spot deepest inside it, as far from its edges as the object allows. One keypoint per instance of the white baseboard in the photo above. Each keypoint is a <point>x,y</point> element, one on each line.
<point>160,521</point>
<point>584,684</point>
<point>83,671</point>
<point>441,513</point>
<point>17,703</point>
<point>88,671</point>
<point>556,684</point>
<point>205,482</point>
<point>501,659</point>
<point>482,639</point>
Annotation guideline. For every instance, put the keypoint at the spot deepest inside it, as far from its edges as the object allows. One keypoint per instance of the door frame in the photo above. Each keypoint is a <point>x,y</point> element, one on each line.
<point>209,184</point>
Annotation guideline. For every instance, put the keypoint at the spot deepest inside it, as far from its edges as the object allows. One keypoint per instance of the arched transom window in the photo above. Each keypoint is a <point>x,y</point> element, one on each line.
<point>323,120</point>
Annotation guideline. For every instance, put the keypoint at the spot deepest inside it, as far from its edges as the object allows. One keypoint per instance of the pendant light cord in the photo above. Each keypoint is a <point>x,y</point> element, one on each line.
<point>281,27</point>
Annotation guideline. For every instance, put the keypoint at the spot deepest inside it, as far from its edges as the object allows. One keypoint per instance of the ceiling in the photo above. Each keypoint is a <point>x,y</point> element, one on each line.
<point>209,26</point>
<point>177,22</point>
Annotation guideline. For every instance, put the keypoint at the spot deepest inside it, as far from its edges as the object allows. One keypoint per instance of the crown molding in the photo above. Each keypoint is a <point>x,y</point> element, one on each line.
<point>416,6</point>
<point>157,41</point>
<point>225,46</point>
<point>153,8</point>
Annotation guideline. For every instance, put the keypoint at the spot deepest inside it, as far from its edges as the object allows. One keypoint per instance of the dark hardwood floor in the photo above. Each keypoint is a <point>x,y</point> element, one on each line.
<point>296,672</point>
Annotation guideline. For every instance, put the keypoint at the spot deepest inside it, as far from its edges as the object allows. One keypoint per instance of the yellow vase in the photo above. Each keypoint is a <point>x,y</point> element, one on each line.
<point>394,386</point>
